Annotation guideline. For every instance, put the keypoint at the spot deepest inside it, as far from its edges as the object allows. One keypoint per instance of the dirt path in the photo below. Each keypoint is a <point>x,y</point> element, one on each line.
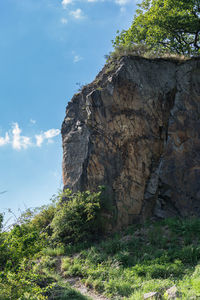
<point>76,284</point>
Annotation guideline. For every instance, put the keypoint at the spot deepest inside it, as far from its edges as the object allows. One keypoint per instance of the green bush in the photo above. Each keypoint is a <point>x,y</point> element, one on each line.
<point>23,242</point>
<point>23,284</point>
<point>43,218</point>
<point>77,217</point>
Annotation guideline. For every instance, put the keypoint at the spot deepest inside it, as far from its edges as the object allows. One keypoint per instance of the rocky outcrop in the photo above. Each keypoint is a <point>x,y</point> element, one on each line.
<point>136,130</point>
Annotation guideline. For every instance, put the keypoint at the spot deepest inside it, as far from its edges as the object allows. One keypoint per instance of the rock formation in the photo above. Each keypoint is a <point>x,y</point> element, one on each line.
<point>136,130</point>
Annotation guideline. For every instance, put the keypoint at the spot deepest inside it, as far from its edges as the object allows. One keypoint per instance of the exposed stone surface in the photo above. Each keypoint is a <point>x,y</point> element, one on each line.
<point>136,130</point>
<point>172,293</point>
<point>151,295</point>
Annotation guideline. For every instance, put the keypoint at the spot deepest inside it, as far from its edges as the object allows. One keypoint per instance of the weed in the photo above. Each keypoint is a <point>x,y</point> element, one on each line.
<point>142,51</point>
<point>150,257</point>
<point>58,251</point>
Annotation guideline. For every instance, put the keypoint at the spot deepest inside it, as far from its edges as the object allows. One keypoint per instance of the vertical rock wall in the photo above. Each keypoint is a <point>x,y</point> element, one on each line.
<point>136,130</point>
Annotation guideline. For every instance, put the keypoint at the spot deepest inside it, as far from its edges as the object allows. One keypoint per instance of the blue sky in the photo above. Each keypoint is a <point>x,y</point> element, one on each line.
<point>47,49</point>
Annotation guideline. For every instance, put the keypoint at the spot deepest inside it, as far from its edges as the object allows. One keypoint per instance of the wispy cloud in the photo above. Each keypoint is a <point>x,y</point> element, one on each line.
<point>19,141</point>
<point>4,140</point>
<point>64,21</point>
<point>123,9</point>
<point>77,58</point>
<point>47,135</point>
<point>65,3</point>
<point>39,139</point>
<point>122,2</point>
<point>77,14</point>
<point>32,121</point>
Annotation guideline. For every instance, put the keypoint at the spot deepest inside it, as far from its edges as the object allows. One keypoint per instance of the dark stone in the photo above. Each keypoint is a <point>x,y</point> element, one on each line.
<point>136,130</point>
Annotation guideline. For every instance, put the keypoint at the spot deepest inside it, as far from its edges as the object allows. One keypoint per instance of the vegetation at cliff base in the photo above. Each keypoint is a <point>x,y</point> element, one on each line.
<point>68,219</point>
<point>77,218</point>
<point>163,26</point>
<point>43,258</point>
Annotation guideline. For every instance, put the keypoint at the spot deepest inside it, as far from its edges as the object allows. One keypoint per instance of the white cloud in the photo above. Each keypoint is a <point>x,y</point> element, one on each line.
<point>32,121</point>
<point>122,2</point>
<point>39,139</point>
<point>4,140</point>
<point>77,58</point>
<point>64,21</point>
<point>123,9</point>
<point>77,14</point>
<point>66,2</point>
<point>49,134</point>
<point>19,141</point>
<point>92,1</point>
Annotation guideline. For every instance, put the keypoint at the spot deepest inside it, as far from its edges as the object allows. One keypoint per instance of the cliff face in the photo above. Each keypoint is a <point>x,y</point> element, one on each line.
<point>136,130</point>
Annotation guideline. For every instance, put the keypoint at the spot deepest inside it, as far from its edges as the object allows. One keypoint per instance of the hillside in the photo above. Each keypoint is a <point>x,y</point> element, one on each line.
<point>158,258</point>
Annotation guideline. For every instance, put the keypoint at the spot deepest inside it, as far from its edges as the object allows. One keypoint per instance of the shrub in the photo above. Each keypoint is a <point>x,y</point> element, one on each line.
<point>77,217</point>
<point>43,219</point>
<point>139,50</point>
<point>124,50</point>
<point>23,242</point>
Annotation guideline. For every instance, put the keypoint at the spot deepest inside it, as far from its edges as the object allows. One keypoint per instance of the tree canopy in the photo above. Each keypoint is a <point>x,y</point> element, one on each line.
<point>171,26</point>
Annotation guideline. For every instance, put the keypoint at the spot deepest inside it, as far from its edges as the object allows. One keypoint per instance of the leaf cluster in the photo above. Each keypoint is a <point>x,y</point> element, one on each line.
<point>165,26</point>
<point>69,218</point>
<point>77,218</point>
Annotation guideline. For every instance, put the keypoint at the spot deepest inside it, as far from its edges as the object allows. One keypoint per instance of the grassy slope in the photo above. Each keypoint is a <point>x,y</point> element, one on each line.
<point>153,257</point>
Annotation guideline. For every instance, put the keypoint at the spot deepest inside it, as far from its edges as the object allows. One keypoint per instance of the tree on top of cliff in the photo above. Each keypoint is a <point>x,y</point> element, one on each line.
<point>162,26</point>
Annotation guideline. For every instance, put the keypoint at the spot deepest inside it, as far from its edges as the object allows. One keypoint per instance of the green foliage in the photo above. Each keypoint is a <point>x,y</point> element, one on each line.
<point>21,285</point>
<point>144,258</point>
<point>23,242</point>
<point>1,221</point>
<point>164,26</point>
<point>4,251</point>
<point>43,218</point>
<point>77,217</point>
<point>28,255</point>
<point>28,284</point>
<point>57,251</point>
<point>147,258</point>
<point>129,49</point>
<point>158,270</point>
<point>24,272</point>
